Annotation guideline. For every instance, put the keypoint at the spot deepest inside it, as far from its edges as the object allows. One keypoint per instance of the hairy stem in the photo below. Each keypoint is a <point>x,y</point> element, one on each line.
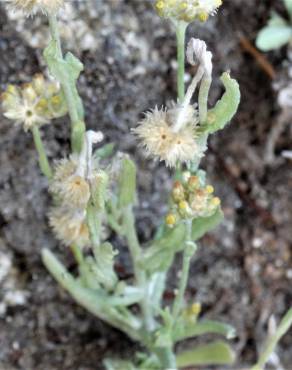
<point>135,250</point>
<point>187,256</point>
<point>203,98</point>
<point>72,98</point>
<point>43,159</point>
<point>284,326</point>
<point>180,38</point>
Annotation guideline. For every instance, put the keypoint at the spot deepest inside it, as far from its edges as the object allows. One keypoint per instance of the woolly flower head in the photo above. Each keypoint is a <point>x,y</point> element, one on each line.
<point>69,226</point>
<point>32,6</point>
<point>73,176</point>
<point>158,135</point>
<point>35,103</point>
<point>68,185</point>
<point>187,10</point>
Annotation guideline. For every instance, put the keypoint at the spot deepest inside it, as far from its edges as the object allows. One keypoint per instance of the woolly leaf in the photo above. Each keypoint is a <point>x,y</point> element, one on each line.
<point>104,152</point>
<point>103,266</point>
<point>273,37</point>
<point>98,187</point>
<point>159,256</point>
<point>217,353</point>
<point>226,107</point>
<point>186,329</point>
<point>127,183</point>
<point>203,225</point>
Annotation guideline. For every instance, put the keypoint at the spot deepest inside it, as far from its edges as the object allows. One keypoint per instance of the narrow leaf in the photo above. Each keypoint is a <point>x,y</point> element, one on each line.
<point>127,183</point>
<point>217,353</point>
<point>203,327</point>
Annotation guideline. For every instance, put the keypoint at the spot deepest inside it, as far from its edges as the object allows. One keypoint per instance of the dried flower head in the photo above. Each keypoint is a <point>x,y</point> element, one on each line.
<point>187,10</point>
<point>35,103</point>
<point>69,226</point>
<point>161,140</point>
<point>32,6</point>
<point>68,185</point>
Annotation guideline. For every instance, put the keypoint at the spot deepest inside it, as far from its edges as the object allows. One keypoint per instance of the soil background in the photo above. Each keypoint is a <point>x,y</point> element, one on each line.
<point>242,272</point>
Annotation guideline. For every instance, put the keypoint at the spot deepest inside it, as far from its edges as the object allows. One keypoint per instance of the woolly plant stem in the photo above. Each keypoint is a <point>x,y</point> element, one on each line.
<point>135,251</point>
<point>203,98</point>
<point>42,156</point>
<point>180,38</point>
<point>187,256</point>
<point>77,123</point>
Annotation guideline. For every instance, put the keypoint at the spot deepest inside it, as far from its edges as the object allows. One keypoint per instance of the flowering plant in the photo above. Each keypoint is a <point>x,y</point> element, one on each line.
<point>90,195</point>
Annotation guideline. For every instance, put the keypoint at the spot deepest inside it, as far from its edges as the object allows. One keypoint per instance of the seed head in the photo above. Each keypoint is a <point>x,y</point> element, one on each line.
<point>30,7</point>
<point>69,226</point>
<point>156,131</point>
<point>70,187</point>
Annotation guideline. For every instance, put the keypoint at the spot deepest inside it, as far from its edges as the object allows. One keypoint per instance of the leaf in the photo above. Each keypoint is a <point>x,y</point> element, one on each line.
<point>225,108</point>
<point>204,224</point>
<point>189,330</point>
<point>127,183</point>
<point>273,37</point>
<point>277,20</point>
<point>159,256</point>
<point>273,340</point>
<point>103,266</point>
<point>288,5</point>
<point>217,353</point>
<point>104,152</point>
<point>98,189</point>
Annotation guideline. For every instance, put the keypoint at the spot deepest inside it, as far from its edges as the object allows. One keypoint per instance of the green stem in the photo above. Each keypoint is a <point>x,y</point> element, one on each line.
<point>284,326</point>
<point>203,98</point>
<point>187,256</point>
<point>43,159</point>
<point>76,251</point>
<point>135,250</point>
<point>72,98</point>
<point>166,358</point>
<point>180,38</point>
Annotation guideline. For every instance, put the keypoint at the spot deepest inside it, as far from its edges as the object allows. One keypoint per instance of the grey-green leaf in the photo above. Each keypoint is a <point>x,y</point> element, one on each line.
<point>216,353</point>
<point>273,37</point>
<point>127,183</point>
<point>189,330</point>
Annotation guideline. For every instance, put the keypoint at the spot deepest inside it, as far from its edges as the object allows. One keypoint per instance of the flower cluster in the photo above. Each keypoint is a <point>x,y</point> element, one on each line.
<point>32,6</point>
<point>71,187</point>
<point>191,199</point>
<point>187,10</point>
<point>35,103</point>
<point>173,135</point>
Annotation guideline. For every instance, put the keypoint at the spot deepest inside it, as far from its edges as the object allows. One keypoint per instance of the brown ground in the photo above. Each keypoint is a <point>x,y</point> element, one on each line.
<point>242,272</point>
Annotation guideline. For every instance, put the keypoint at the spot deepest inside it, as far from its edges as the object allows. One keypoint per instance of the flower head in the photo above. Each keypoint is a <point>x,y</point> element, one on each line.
<point>32,6</point>
<point>192,198</point>
<point>69,226</point>
<point>73,176</point>
<point>187,10</point>
<point>156,131</point>
<point>69,186</point>
<point>35,103</point>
